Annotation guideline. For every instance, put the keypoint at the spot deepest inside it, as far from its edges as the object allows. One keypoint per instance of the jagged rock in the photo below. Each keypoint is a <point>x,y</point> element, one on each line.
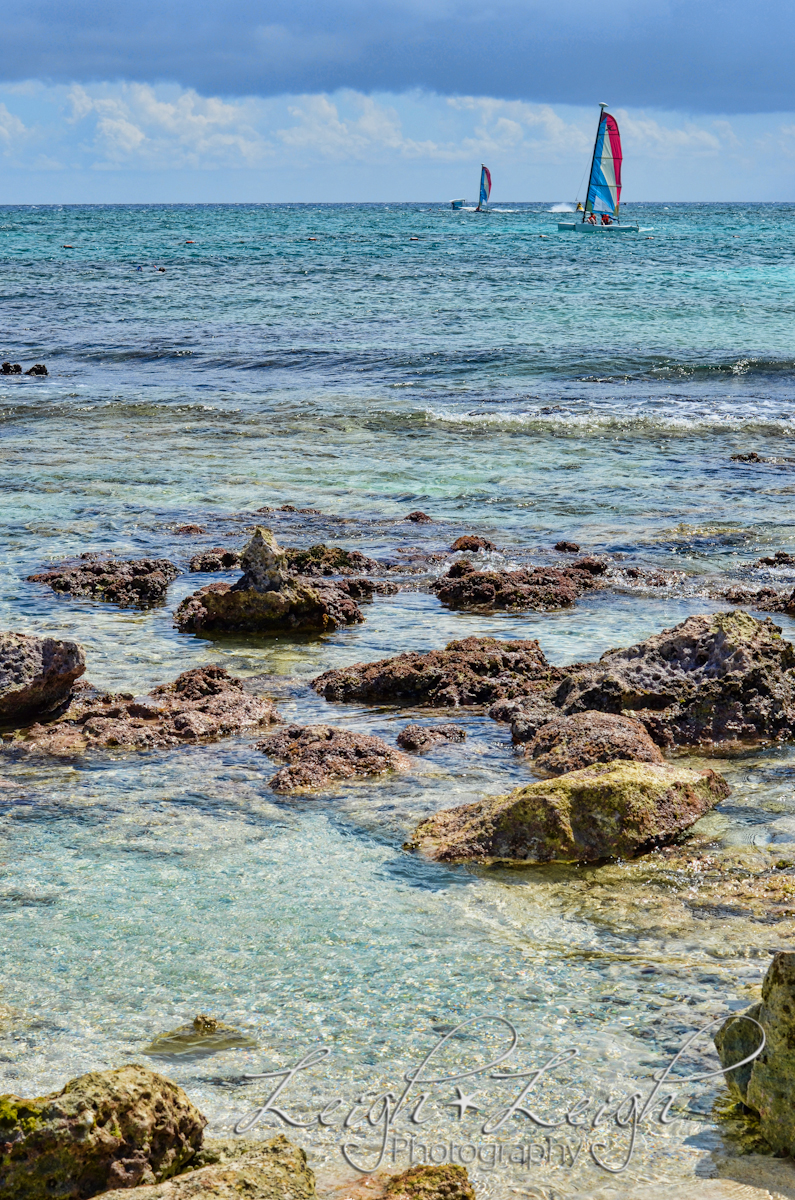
<point>538,588</point>
<point>764,599</point>
<point>609,810</point>
<point>567,547</point>
<point>130,583</point>
<point>473,670</point>
<point>36,674</point>
<point>8,368</point>
<point>234,1169</point>
<point>570,743</point>
<point>37,369</point>
<point>201,705</point>
<point>316,755</point>
<point>419,738</point>
<point>766,1085</point>
<point>780,559</point>
<point>425,1182</point>
<point>217,559</point>
<point>190,529</point>
<point>329,560</point>
<point>713,678</point>
<point>267,599</point>
<point>290,508</point>
<point>525,715</point>
<point>107,1129</point>
<point>752,457</point>
<point>419,518</point>
<point>470,543</point>
<point>204,1035</point>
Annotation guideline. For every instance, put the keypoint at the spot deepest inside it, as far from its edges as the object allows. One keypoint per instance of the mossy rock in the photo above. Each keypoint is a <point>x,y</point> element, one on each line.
<point>426,1182</point>
<point>204,1035</point>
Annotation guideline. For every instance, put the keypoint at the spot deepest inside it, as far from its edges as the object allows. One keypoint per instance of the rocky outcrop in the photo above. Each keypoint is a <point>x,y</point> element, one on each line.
<point>329,560</point>
<point>767,1084</point>
<point>105,1130</point>
<point>36,674</point>
<point>567,548</point>
<point>190,530</point>
<point>267,599</point>
<point>765,599</point>
<point>9,368</point>
<point>217,559</point>
<point>130,583</point>
<point>37,369</point>
<point>419,738</point>
<point>570,743</point>
<point>204,1035</point>
<point>474,670</point>
<point>525,715</point>
<point>781,558</point>
<point>425,1182</point>
<point>539,588</point>
<point>316,755</point>
<point>201,705</point>
<point>717,678</point>
<point>610,810</point>
<point>236,1169</point>
<point>469,543</point>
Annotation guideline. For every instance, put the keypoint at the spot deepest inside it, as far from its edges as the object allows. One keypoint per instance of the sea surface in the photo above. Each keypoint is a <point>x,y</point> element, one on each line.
<point>366,361</point>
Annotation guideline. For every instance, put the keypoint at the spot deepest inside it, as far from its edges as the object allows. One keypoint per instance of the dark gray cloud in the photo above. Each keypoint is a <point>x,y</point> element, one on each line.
<point>704,57</point>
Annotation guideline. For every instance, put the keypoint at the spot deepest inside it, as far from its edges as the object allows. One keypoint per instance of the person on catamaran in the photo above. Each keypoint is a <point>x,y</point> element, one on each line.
<point>591,218</point>
<point>606,219</point>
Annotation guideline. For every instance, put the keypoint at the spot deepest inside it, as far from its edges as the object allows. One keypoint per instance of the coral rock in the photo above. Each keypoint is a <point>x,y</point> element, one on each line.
<point>418,738</point>
<point>130,583</point>
<point>318,754</point>
<point>570,743</point>
<point>469,543</point>
<point>37,369</point>
<point>36,674</point>
<point>567,547</point>
<point>609,810</point>
<point>780,559</point>
<point>424,1182</point>
<point>419,518</point>
<point>217,559</point>
<point>190,529</point>
<point>329,560</point>
<point>538,588</point>
<point>108,1129</point>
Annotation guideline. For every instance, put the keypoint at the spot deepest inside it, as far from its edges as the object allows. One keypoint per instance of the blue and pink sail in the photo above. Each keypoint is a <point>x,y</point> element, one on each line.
<point>604,187</point>
<point>485,186</point>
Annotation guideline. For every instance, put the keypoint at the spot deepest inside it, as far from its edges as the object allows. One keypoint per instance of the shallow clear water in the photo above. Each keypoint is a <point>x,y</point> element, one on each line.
<point>522,386</point>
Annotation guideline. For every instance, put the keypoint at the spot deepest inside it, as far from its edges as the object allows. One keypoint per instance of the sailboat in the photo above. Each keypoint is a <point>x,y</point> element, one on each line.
<point>485,192</point>
<point>600,212</point>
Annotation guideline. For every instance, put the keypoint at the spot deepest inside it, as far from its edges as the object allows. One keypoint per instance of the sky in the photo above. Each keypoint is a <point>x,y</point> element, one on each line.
<point>392,99</point>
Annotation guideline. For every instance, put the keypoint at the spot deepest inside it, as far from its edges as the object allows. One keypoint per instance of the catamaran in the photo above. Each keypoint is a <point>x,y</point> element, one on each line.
<point>485,192</point>
<point>600,212</point>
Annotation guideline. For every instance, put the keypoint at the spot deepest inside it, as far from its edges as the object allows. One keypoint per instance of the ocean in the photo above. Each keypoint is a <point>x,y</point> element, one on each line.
<point>366,361</point>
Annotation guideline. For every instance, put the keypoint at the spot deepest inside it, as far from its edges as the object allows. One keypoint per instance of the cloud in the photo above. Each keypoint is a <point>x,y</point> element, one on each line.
<point>11,128</point>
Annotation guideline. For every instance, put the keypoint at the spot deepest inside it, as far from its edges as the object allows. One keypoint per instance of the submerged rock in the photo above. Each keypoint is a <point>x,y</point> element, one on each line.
<point>419,738</point>
<point>419,518</point>
<point>766,1085</point>
<point>470,543</point>
<point>609,810</point>
<point>713,678</point>
<point>190,529</point>
<point>217,559</point>
<point>474,670</point>
<point>267,599</point>
<point>751,457</point>
<point>204,1035</point>
<point>316,755</point>
<point>425,1182</point>
<point>130,583</point>
<point>107,1129</point>
<point>234,1169</point>
<point>780,559</point>
<point>570,743</point>
<point>204,704</point>
<point>538,588</point>
<point>36,674</point>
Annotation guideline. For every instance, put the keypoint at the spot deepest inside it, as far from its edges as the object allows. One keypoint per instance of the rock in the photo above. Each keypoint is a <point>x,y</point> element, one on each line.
<point>780,559</point>
<point>526,715</point>
<point>764,599</point>
<point>201,705</point>
<point>217,559</point>
<point>446,1182</point>
<point>570,743</point>
<point>419,738</point>
<point>107,1129</point>
<point>766,1085</point>
<point>567,547</point>
<point>130,583</point>
<point>8,368</point>
<point>419,518</point>
<point>36,674</point>
<point>474,670</point>
<point>37,369</point>
<point>713,678</point>
<point>204,1035</point>
<point>190,529</point>
<point>234,1169</point>
<point>752,457</point>
<point>470,543</point>
<point>318,754</point>
<point>267,599</point>
<point>609,810</point>
<point>329,560</point>
<point>538,588</point>
<point>290,508</point>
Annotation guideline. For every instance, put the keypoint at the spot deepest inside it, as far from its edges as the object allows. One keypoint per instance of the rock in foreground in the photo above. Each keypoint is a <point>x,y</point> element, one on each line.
<point>714,678</point>
<point>425,1182</point>
<point>200,705</point>
<point>419,738</point>
<point>36,674</point>
<point>130,583</point>
<point>539,588</point>
<point>107,1129</point>
<point>267,599</point>
<point>474,670</point>
<point>610,810</point>
<point>571,743</point>
<point>316,755</point>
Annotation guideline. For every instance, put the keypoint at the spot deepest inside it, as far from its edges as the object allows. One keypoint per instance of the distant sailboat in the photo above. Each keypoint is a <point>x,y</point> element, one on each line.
<point>485,187</point>
<point>604,183</point>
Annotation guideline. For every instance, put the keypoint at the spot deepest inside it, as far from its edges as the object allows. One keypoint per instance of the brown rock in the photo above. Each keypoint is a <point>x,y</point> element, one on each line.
<point>752,457</point>
<point>200,705</point>
<point>424,1182</point>
<point>37,369</point>
<point>471,671</point>
<point>764,599</point>
<point>188,529</point>
<point>130,583</point>
<point>36,674</point>
<point>419,518</point>
<point>419,738</point>
<point>567,547</point>
<point>470,543</point>
<point>318,754</point>
<point>538,588</point>
<point>570,743</point>
<point>329,560</point>
<point>780,559</point>
<point>217,559</point>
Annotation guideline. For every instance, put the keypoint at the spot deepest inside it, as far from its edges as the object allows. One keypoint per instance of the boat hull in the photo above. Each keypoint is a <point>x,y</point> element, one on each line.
<point>457,203</point>
<point>584,227</point>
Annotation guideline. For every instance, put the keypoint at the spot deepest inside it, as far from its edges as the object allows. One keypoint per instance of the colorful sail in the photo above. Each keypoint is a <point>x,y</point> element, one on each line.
<point>604,187</point>
<point>485,186</point>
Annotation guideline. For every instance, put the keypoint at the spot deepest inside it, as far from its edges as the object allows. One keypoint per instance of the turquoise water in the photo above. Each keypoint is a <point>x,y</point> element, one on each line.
<point>506,379</point>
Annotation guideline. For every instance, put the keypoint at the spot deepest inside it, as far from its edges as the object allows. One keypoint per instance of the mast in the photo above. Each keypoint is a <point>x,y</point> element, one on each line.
<point>602,108</point>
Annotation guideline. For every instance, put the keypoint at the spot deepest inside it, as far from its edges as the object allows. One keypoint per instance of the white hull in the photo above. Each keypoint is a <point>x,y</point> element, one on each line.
<point>584,227</point>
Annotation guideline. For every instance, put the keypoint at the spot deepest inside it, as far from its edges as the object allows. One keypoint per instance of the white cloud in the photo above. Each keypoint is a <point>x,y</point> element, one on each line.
<point>11,128</point>
<point>648,136</point>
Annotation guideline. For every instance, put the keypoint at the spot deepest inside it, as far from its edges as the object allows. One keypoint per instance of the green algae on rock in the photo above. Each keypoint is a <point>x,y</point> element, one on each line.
<point>426,1182</point>
<point>609,810</point>
<point>204,1035</point>
<point>106,1129</point>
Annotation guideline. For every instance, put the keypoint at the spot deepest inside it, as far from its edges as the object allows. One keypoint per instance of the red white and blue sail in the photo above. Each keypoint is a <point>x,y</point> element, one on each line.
<point>604,187</point>
<point>485,185</point>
